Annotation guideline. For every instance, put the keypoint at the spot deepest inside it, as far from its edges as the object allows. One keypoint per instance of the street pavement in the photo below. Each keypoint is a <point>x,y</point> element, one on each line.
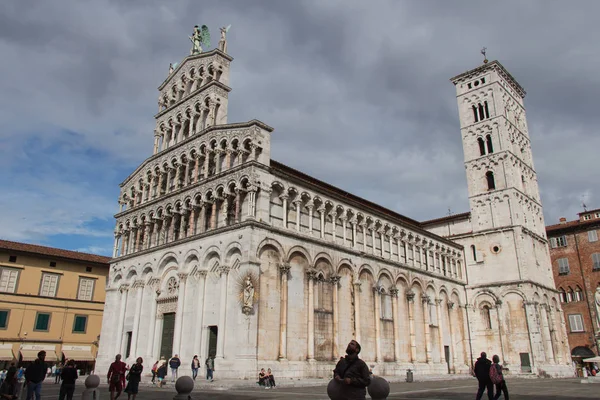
<point>525,389</point>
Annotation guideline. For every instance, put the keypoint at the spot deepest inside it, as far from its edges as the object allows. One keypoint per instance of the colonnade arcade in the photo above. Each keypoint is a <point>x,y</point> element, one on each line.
<point>195,214</point>
<point>297,209</point>
<point>395,315</point>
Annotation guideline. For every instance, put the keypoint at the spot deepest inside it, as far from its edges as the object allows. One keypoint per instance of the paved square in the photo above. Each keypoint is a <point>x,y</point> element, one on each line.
<point>525,389</point>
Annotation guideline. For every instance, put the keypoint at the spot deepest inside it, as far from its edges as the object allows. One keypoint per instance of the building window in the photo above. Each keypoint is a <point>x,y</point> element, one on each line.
<point>12,259</point>
<point>570,295</point>
<point>491,184</point>
<point>49,285</point>
<point>563,266</point>
<point>576,322</point>
<point>563,295</point>
<point>578,296</point>
<point>53,263</point>
<point>587,217</point>
<point>8,280</point>
<point>42,322</point>
<point>488,141</point>
<point>86,289</point>
<point>596,261</point>
<point>481,146</point>
<point>593,236</point>
<point>4,318</point>
<point>80,324</point>
<point>475,114</point>
<point>486,317</point>
<point>560,241</point>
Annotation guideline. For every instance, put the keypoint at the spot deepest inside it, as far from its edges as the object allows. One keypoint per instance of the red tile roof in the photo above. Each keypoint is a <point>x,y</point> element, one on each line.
<point>572,225</point>
<point>53,252</point>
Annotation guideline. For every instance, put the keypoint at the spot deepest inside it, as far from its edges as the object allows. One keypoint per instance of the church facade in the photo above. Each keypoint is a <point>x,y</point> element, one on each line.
<point>220,250</point>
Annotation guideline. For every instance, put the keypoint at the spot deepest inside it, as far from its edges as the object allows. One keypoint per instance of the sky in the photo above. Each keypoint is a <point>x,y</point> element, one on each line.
<point>358,93</point>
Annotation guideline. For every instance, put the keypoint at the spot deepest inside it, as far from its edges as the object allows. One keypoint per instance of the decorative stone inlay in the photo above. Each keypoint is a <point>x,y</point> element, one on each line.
<point>172,286</point>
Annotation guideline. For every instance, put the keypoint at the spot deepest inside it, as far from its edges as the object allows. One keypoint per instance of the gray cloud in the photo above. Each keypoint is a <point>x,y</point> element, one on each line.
<point>358,92</point>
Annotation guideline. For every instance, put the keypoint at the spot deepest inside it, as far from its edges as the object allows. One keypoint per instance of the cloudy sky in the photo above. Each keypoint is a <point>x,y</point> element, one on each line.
<point>357,91</point>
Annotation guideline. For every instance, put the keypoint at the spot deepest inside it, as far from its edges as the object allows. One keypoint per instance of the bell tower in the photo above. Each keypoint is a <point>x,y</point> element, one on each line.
<point>506,211</point>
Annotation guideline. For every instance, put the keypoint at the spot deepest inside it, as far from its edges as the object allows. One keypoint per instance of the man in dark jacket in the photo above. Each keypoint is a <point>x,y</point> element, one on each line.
<point>352,373</point>
<point>35,375</point>
<point>174,363</point>
<point>482,372</point>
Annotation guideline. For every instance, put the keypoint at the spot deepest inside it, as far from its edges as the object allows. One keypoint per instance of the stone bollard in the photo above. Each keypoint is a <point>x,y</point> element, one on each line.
<point>379,389</point>
<point>184,387</point>
<point>91,391</point>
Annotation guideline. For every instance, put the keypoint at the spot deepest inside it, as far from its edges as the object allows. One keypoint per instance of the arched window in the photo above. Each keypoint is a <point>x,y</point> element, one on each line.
<point>578,294</point>
<point>488,141</point>
<point>481,112</point>
<point>481,146</point>
<point>386,305</point>
<point>474,252</point>
<point>489,176</point>
<point>475,116</point>
<point>563,295</point>
<point>570,295</point>
<point>487,111</point>
<point>486,318</point>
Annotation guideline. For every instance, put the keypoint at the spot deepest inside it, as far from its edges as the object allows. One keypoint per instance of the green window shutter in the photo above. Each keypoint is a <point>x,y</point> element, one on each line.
<point>3,319</point>
<point>80,323</point>
<point>42,322</point>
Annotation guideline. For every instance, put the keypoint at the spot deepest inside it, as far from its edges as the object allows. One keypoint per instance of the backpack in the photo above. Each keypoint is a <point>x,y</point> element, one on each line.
<point>495,377</point>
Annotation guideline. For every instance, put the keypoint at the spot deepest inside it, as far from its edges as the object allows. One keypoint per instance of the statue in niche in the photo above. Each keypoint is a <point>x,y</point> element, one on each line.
<point>248,298</point>
<point>597,301</point>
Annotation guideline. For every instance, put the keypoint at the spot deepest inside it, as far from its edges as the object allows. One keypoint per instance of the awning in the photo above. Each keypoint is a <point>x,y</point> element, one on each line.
<point>78,355</point>
<point>31,355</point>
<point>592,359</point>
<point>6,355</point>
<point>582,351</point>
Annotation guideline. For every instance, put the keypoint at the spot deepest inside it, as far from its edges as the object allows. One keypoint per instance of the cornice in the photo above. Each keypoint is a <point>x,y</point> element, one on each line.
<point>203,88</point>
<point>194,57</point>
<point>493,65</point>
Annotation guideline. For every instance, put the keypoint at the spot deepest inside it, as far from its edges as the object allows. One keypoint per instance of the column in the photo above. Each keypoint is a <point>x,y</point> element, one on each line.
<point>546,334</point>
<point>410,297</point>
<point>321,210</point>
<point>333,226</point>
<point>298,203</point>
<point>196,168</point>
<point>123,304</point>
<point>152,336</point>
<point>186,177</point>
<point>377,299</point>
<point>146,242</point>
<point>156,137</point>
<point>224,208</point>
<point>438,311</point>
<point>177,184</point>
<point>168,186</point>
<point>192,221</point>
<point>310,207</point>
<point>206,162</point>
<point>394,294</point>
<point>452,339</point>
<point>363,227</point>
<point>373,239</point>
<point>227,159</point>
<point>284,269</point>
<point>217,160</point>
<point>158,327</point>
<point>157,229</point>
<point>344,234</point>
<point>390,240</point>
<point>201,278</point>
<point>500,329</point>
<point>179,314</point>
<point>425,302</point>
<point>357,284</point>
<point>182,226</point>
<point>139,288</point>
<point>252,201</point>
<point>353,222</point>
<point>535,340</point>
<point>202,218</point>
<point>213,214</point>
<point>382,240</point>
<point>224,273</point>
<point>171,232</point>
<point>116,245</point>
<point>160,181</point>
<point>284,198</point>
<point>238,204</point>
<point>553,336</point>
<point>335,279</point>
<point>310,274</point>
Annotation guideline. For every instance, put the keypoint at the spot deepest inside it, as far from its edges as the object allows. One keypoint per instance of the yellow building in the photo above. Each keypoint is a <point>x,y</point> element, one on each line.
<point>52,300</point>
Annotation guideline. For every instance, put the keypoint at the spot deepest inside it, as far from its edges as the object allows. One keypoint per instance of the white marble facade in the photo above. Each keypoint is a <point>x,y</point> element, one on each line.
<point>210,215</point>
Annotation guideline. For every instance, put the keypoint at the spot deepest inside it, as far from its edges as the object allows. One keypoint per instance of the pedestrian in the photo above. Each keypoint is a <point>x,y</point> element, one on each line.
<point>20,373</point>
<point>262,378</point>
<point>69,376</point>
<point>352,373</point>
<point>57,375</point>
<point>2,376</point>
<point>133,378</point>
<point>502,385</point>
<point>154,369</point>
<point>195,367</point>
<point>482,373</point>
<point>174,364</point>
<point>271,378</point>
<point>161,373</point>
<point>210,367</point>
<point>35,375</point>
<point>9,389</point>
<point>116,377</point>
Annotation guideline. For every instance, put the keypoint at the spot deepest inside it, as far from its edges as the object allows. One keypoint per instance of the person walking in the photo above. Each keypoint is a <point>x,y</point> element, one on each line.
<point>9,389</point>
<point>69,376</point>
<point>195,367</point>
<point>210,367</point>
<point>154,370</point>
<point>482,373</point>
<point>161,373</point>
<point>352,373</point>
<point>174,364</point>
<point>57,373</point>
<point>133,378</point>
<point>116,377</point>
<point>35,375</point>
<point>500,387</point>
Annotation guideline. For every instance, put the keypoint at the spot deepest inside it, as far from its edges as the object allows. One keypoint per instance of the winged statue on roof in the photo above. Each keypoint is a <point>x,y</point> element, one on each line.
<point>200,38</point>
<point>223,40</point>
